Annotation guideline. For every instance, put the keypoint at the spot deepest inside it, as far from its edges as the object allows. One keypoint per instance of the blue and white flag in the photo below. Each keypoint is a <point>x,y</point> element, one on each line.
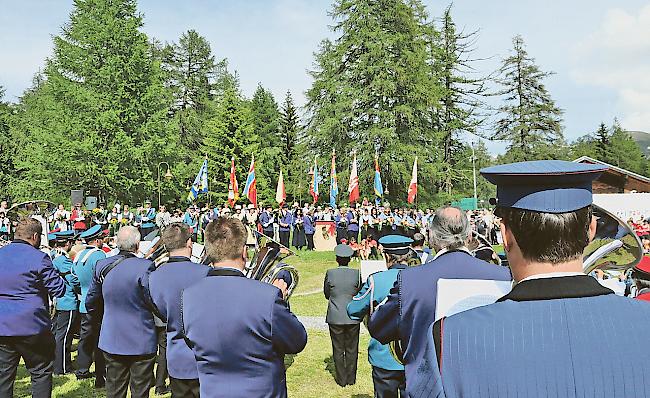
<point>200,184</point>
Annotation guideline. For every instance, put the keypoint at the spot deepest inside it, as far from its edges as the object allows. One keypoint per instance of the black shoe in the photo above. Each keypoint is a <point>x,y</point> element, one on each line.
<point>82,376</point>
<point>162,390</point>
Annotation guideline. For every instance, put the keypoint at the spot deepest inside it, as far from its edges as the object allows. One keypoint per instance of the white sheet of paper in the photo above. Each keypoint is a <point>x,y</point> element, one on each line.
<point>197,252</point>
<point>145,245</point>
<point>369,267</point>
<point>458,295</point>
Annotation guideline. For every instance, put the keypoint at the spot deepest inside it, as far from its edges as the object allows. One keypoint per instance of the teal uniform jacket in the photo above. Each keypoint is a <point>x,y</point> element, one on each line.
<point>150,216</point>
<point>374,291</point>
<point>69,302</point>
<point>84,268</point>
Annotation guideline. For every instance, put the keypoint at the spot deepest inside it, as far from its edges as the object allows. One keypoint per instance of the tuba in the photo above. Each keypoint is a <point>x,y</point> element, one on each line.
<point>266,263</point>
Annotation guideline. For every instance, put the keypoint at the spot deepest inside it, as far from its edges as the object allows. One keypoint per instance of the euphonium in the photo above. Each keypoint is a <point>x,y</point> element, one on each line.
<point>266,263</point>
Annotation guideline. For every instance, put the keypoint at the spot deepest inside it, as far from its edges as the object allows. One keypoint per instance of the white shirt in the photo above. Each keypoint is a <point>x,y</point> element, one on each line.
<point>552,275</point>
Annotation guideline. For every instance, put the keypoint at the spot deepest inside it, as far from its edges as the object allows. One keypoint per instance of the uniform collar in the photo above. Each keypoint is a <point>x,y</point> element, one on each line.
<point>552,288</point>
<point>178,259</point>
<point>225,271</point>
<point>398,266</point>
<point>446,251</point>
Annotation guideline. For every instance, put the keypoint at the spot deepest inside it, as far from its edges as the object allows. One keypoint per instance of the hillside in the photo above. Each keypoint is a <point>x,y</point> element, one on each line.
<point>642,139</point>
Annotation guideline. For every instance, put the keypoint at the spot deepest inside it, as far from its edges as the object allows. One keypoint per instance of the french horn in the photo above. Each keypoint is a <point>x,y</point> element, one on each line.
<point>266,263</point>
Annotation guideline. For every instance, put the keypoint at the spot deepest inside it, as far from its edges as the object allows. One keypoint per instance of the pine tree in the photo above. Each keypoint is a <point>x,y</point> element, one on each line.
<point>624,152</point>
<point>265,117</point>
<point>228,133</point>
<point>7,146</point>
<point>461,105</point>
<point>529,120</point>
<point>373,92</point>
<point>289,134</point>
<point>191,72</point>
<point>99,119</point>
<point>602,142</point>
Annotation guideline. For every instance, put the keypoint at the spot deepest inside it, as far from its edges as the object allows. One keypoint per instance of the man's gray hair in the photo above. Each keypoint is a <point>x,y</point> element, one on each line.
<point>449,228</point>
<point>128,238</point>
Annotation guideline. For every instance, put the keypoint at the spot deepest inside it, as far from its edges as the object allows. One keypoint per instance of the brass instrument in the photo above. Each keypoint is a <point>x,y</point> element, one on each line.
<point>615,246</point>
<point>480,247</point>
<point>266,263</point>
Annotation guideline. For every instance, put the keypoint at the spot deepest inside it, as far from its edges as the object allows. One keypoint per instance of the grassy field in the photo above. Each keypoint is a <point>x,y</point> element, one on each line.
<point>309,374</point>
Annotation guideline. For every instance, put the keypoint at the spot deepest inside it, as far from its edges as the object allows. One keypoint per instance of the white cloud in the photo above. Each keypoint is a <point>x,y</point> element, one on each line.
<point>616,56</point>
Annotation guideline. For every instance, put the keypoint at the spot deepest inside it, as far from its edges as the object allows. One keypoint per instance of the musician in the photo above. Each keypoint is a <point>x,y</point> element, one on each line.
<point>128,334</point>
<point>387,374</point>
<point>191,219</point>
<point>67,307</point>
<point>84,267</point>
<point>286,219</point>
<point>267,220</point>
<point>309,223</point>
<point>78,218</point>
<point>299,239</point>
<point>148,219</point>
<point>546,224</point>
<point>27,278</point>
<point>239,329</point>
<point>410,308</point>
<point>641,279</point>
<point>341,284</point>
<point>341,224</point>
<point>418,245</point>
<point>165,286</point>
<point>353,224</point>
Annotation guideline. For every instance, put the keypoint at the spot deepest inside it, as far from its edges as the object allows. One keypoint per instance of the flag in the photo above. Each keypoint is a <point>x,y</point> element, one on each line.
<point>250,189</point>
<point>200,184</point>
<point>379,188</point>
<point>353,185</point>
<point>313,187</point>
<point>280,193</point>
<point>413,186</point>
<point>233,189</point>
<point>334,185</point>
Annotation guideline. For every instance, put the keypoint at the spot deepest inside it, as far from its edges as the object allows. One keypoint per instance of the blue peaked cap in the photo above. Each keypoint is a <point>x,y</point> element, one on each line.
<point>396,244</point>
<point>546,186</point>
<point>92,233</point>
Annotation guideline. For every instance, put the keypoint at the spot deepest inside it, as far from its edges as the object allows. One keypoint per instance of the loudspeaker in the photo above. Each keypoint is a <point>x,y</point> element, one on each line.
<point>91,202</point>
<point>76,196</point>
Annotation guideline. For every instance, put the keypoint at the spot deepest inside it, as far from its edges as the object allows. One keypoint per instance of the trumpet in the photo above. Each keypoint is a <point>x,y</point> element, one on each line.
<point>266,263</point>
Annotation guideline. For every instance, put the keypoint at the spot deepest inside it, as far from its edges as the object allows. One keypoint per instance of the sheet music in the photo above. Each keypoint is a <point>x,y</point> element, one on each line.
<point>458,295</point>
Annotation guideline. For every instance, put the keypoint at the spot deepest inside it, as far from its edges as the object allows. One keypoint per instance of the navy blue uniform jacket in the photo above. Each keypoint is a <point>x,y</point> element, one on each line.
<point>551,337</point>
<point>165,286</point>
<point>411,306</point>
<point>239,330</point>
<point>27,277</point>
<point>127,324</point>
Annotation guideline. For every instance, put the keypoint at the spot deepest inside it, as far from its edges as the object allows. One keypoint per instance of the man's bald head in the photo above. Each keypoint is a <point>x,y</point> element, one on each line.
<point>449,228</point>
<point>128,239</point>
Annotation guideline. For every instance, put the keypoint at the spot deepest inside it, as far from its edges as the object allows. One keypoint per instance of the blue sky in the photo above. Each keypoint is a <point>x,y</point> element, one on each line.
<point>599,50</point>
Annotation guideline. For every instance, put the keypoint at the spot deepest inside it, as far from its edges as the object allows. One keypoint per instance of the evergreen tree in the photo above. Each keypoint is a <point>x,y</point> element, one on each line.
<point>373,92</point>
<point>190,74</point>
<point>7,146</point>
<point>99,119</point>
<point>624,152</point>
<point>529,120</point>
<point>461,106</point>
<point>289,133</point>
<point>602,142</point>
<point>265,117</point>
<point>228,133</point>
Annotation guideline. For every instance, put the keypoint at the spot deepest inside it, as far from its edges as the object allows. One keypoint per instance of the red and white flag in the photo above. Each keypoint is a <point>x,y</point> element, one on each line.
<point>413,186</point>
<point>353,186</point>
<point>280,193</point>
<point>233,189</point>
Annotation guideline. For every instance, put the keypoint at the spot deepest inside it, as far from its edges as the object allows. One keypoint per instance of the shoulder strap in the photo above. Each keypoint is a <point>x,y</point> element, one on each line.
<point>109,268</point>
<point>86,256</point>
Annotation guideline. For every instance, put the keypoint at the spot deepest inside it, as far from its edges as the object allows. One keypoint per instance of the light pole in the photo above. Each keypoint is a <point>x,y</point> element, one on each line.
<point>168,176</point>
